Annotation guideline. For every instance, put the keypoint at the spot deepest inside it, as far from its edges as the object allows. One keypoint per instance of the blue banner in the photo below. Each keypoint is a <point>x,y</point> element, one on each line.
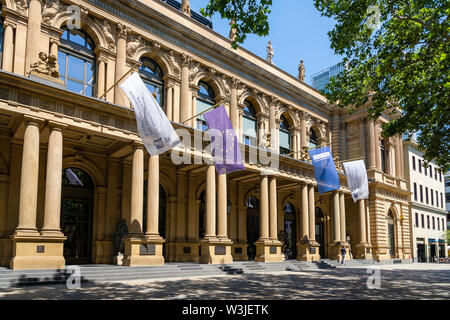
<point>325,170</point>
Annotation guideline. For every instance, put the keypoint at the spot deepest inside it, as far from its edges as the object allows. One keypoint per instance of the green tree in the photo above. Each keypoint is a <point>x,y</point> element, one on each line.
<point>447,235</point>
<point>249,16</point>
<point>402,67</point>
<point>397,57</point>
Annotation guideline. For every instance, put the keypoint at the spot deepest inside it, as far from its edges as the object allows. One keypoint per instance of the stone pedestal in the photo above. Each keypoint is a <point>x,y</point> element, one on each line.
<point>363,251</point>
<point>268,251</point>
<point>37,252</point>
<point>308,251</point>
<point>335,250</point>
<point>239,252</point>
<point>216,251</point>
<point>140,251</point>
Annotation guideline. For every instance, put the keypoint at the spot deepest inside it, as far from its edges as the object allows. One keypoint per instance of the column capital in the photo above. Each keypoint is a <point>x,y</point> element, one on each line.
<point>32,120</point>
<point>54,125</point>
<point>122,31</point>
<point>8,23</point>
<point>137,145</point>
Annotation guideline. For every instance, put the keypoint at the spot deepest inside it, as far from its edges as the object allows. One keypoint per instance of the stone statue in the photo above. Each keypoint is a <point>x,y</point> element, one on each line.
<point>121,233</point>
<point>47,66</point>
<point>51,8</point>
<point>301,71</point>
<point>232,34</point>
<point>185,7</point>
<point>270,52</point>
<point>132,46</point>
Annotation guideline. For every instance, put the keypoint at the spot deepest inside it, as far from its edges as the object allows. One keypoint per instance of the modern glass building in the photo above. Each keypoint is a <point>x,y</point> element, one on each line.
<point>321,79</point>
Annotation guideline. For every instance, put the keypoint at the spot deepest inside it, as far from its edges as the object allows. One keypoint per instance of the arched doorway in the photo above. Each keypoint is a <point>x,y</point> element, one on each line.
<point>289,231</point>
<point>252,226</point>
<point>320,235</point>
<point>77,203</point>
<point>391,234</point>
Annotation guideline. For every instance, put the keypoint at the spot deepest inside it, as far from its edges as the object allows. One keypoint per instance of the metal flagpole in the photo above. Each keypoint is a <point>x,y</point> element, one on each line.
<point>204,111</point>
<point>354,159</point>
<point>290,154</point>
<point>128,72</point>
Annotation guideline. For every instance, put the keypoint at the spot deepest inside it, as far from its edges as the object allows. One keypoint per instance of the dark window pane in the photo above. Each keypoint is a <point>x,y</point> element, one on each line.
<point>78,39</point>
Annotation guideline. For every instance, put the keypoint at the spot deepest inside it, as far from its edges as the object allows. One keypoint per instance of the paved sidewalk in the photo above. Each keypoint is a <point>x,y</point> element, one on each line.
<point>415,281</point>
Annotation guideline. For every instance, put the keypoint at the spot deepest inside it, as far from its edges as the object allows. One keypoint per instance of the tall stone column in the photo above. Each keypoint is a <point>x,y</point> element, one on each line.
<point>233,212</point>
<point>362,221</point>
<point>234,112</point>
<point>377,146</point>
<point>29,179</point>
<point>336,134</point>
<point>362,248</point>
<point>153,198</point>
<point>336,217</point>
<point>362,136</point>
<point>33,33</point>
<point>222,207</point>
<point>169,102</point>
<point>398,157</point>
<point>303,133</point>
<point>342,216</point>
<point>8,46</point>
<point>264,209</point>
<point>101,77</point>
<point>184,90</point>
<point>210,202</point>
<point>53,181</point>
<point>121,59</point>
<point>312,213</point>
<point>372,146</point>
<point>137,192</point>
<point>272,124</point>
<point>273,208</point>
<point>304,213</point>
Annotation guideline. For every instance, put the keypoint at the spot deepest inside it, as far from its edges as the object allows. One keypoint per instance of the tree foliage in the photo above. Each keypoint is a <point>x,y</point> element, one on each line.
<point>249,16</point>
<point>402,66</point>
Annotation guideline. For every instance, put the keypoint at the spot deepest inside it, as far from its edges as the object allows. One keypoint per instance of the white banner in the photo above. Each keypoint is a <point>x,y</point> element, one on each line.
<point>154,128</point>
<point>357,179</point>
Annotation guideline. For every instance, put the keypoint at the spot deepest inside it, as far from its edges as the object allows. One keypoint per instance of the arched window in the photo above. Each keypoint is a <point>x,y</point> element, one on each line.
<point>285,136</point>
<point>152,76</point>
<point>253,203</point>
<point>205,100</point>
<point>313,143</point>
<point>76,61</point>
<point>250,125</point>
<point>75,177</point>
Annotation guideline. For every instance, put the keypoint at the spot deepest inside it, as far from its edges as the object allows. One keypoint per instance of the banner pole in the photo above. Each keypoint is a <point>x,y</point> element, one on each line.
<point>204,111</point>
<point>121,78</point>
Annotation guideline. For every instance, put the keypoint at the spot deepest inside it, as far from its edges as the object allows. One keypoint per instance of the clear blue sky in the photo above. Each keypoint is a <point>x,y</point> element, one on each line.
<point>297,31</point>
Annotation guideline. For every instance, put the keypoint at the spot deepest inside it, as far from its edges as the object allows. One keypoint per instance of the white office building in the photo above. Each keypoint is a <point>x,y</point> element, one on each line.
<point>428,206</point>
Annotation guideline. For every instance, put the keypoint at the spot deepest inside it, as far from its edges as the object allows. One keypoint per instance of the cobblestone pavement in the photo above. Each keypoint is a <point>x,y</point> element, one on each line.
<point>415,281</point>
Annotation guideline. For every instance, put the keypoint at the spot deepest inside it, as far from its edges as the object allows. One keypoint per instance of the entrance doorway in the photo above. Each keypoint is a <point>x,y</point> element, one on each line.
<point>77,202</point>
<point>320,236</point>
<point>391,234</point>
<point>290,248</point>
<point>252,226</point>
<point>421,254</point>
<point>432,252</point>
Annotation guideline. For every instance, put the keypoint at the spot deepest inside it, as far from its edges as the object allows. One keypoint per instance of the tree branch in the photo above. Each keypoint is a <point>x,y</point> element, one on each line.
<point>423,23</point>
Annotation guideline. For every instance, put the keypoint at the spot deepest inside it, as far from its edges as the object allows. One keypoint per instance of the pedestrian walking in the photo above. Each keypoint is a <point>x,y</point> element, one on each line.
<point>343,252</point>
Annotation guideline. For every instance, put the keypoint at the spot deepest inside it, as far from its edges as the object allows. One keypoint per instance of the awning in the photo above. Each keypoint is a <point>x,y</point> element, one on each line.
<point>431,240</point>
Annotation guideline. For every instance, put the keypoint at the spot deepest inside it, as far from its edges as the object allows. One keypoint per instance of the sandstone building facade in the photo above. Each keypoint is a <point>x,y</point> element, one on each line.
<point>72,165</point>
